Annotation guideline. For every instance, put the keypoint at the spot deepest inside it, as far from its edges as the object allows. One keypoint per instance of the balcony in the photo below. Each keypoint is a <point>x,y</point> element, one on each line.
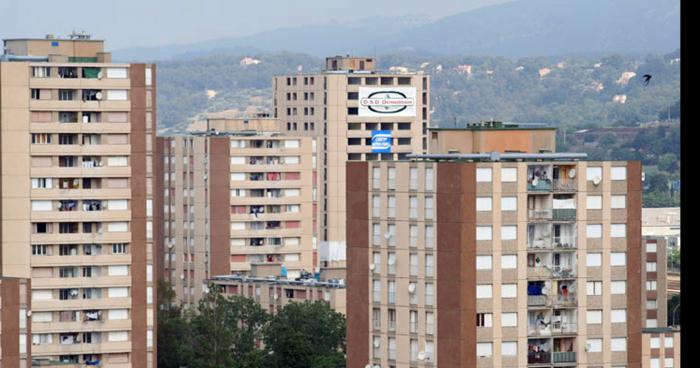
<point>543,242</point>
<point>564,214</point>
<point>537,301</point>
<point>564,357</point>
<point>540,214</point>
<point>540,357</point>
<point>539,185</point>
<point>564,242</point>
<point>563,272</point>
<point>565,300</point>
<point>563,328</point>
<point>564,185</point>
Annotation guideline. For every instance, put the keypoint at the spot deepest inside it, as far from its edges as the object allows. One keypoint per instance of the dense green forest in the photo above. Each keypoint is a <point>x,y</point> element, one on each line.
<point>571,93</point>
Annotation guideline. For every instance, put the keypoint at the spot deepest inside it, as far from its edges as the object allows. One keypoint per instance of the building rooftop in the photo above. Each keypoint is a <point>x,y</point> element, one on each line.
<point>273,280</point>
<point>662,216</point>
<point>496,125</point>
<point>498,156</point>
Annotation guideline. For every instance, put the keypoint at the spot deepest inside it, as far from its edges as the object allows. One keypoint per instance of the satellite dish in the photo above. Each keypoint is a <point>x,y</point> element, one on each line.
<point>276,297</point>
<point>387,235</point>
<point>376,343</point>
<point>596,180</point>
<point>99,75</point>
<point>98,95</point>
<point>535,181</point>
<point>29,313</point>
<point>588,346</point>
<point>182,276</point>
<point>170,245</point>
<point>421,355</point>
<point>411,288</point>
<point>371,266</point>
<point>572,173</point>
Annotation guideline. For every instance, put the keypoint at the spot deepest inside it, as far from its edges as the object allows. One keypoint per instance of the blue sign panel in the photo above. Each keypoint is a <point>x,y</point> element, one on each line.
<point>381,141</point>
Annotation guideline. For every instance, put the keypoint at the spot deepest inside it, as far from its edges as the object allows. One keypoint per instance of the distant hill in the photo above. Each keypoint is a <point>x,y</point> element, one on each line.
<point>515,29</point>
<point>571,91</point>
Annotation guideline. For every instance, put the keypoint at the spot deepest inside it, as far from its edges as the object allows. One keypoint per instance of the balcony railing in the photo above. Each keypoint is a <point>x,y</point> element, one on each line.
<point>564,186</point>
<point>540,243</point>
<point>537,300</point>
<point>559,328</point>
<point>563,271</point>
<point>536,331</point>
<point>541,214</point>
<point>541,186</point>
<point>562,300</point>
<point>539,358</point>
<point>564,214</point>
<point>564,357</point>
<point>540,271</point>
<point>564,242</point>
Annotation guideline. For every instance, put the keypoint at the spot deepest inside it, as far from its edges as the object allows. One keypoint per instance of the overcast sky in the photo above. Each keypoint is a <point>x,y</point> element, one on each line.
<point>126,23</point>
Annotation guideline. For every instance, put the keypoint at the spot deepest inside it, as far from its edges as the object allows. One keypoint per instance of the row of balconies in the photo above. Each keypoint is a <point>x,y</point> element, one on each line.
<point>556,214</point>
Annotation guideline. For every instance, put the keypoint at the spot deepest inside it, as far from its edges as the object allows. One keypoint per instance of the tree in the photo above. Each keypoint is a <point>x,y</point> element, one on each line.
<point>225,331</point>
<point>173,329</point>
<point>668,162</point>
<point>303,335</point>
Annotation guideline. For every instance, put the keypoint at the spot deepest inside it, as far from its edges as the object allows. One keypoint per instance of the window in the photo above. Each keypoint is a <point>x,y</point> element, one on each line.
<point>509,203</point>
<point>118,292</point>
<point>376,204</point>
<point>392,348</point>
<point>509,348</point>
<point>654,363</point>
<point>594,172</point>
<point>484,349</point>
<point>483,262</point>
<point>509,319</point>
<point>594,202</point>
<point>43,183</point>
<point>668,342</point>
<point>484,320</point>
<point>618,258</point>
<point>118,271</point>
<point>391,206</point>
<point>509,174</point>
<point>618,316</point>
<point>594,231</point>
<point>429,205</point>
<point>668,362</point>
<point>594,317</point>
<point>413,349</point>
<point>376,175</point>
<point>117,95</point>
<point>651,323</point>
<point>509,261</point>
<point>117,314</point>
<point>651,247</point>
<point>654,343</point>
<point>41,138</point>
<point>483,174</point>
<point>618,230</point>
<point>116,73</point>
<point>391,178</point>
<point>413,264</point>
<point>618,173</point>
<point>429,265</point>
<point>594,287</point>
<point>39,250</point>
<point>429,293</point>
<point>391,286</point>
<point>392,319</point>
<point>618,287</point>
<point>429,323</point>
<point>42,206</point>
<point>651,285</point>
<point>377,261</point>
<point>413,235</point>
<point>618,201</point>
<point>429,236</point>
<point>509,232</point>
<point>118,336</point>
<point>483,291</point>
<point>413,178</point>
<point>376,291</point>
<point>391,263</point>
<point>509,290</point>
<point>483,203</point>
<point>651,304</point>
<point>618,344</point>
<point>429,179</point>
<point>594,345</point>
<point>118,248</point>
<point>594,259</point>
<point>483,233</point>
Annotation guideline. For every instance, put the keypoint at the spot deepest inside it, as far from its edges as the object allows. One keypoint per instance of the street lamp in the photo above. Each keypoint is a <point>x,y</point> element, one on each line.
<point>674,313</point>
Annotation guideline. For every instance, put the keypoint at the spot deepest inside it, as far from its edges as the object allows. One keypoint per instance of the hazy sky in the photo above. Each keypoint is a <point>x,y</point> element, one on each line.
<point>125,23</point>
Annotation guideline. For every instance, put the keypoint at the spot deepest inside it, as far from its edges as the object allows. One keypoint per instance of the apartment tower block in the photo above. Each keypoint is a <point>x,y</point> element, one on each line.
<point>76,143</point>
<point>494,260</point>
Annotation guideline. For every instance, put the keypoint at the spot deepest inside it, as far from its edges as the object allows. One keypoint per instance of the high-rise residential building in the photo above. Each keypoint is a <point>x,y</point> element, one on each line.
<point>661,348</point>
<point>233,198</point>
<point>492,136</point>
<point>494,260</point>
<point>358,113</point>
<point>77,136</point>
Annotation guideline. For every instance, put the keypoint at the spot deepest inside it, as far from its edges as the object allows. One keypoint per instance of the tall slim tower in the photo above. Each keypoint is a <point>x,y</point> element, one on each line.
<point>76,144</point>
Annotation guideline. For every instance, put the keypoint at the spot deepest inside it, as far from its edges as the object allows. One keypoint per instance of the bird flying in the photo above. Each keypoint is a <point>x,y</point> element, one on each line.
<point>647,78</point>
